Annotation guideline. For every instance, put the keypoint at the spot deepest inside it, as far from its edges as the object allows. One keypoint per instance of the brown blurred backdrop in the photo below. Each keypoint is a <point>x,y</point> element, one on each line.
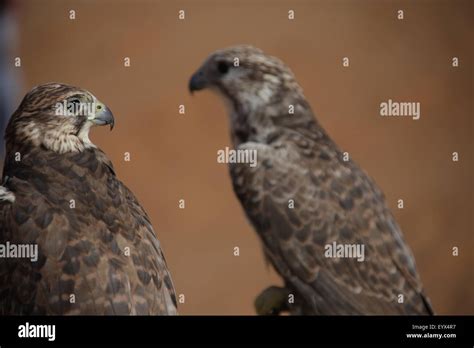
<point>174,156</point>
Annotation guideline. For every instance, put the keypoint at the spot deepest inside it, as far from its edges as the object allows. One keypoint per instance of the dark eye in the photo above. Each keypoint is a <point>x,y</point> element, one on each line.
<point>73,107</point>
<point>223,67</point>
<point>74,101</point>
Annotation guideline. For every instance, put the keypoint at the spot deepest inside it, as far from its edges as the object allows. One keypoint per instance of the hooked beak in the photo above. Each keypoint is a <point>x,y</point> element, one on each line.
<point>103,117</point>
<point>198,81</point>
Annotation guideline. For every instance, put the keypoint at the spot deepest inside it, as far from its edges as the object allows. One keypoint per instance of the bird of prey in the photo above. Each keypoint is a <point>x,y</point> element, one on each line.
<point>303,197</point>
<point>96,251</point>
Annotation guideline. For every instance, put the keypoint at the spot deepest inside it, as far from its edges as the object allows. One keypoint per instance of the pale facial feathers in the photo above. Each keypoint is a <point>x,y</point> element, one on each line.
<point>259,90</point>
<point>57,117</point>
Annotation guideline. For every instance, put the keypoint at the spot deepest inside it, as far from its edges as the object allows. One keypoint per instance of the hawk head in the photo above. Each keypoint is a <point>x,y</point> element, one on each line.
<point>246,77</point>
<point>57,117</point>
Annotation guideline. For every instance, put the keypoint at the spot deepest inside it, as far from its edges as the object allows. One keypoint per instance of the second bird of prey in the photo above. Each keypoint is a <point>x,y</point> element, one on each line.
<point>332,199</point>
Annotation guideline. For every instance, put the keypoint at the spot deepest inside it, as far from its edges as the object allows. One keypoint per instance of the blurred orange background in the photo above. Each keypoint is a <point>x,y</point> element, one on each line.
<point>173,156</point>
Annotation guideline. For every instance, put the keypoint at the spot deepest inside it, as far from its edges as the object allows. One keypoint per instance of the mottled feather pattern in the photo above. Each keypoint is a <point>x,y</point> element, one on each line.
<point>82,249</point>
<point>98,253</point>
<point>334,200</point>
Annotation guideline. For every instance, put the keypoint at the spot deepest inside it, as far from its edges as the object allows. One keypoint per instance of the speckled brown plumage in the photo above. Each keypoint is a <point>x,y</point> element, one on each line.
<point>103,251</point>
<point>334,200</point>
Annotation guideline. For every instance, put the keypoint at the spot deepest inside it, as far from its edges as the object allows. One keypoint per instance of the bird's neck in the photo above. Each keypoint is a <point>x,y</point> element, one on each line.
<point>37,163</point>
<point>263,124</point>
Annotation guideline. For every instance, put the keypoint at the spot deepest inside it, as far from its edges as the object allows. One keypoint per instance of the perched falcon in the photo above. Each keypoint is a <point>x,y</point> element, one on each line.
<point>97,252</point>
<point>302,197</point>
